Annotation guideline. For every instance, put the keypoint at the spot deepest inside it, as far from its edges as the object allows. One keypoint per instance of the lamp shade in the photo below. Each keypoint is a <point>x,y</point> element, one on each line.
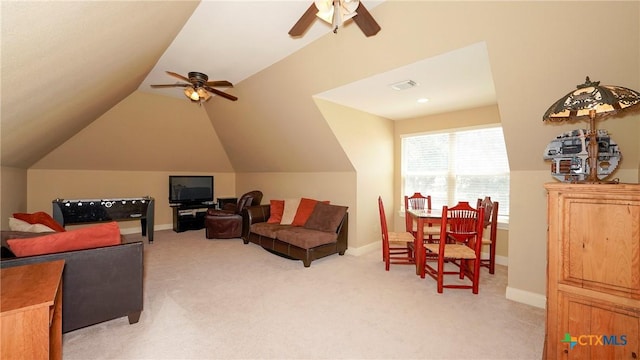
<point>590,98</point>
<point>191,93</point>
<point>203,94</point>
<point>592,102</point>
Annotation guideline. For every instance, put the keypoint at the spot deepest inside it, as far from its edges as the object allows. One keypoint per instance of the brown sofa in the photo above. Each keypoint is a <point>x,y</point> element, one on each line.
<point>304,243</point>
<point>98,284</point>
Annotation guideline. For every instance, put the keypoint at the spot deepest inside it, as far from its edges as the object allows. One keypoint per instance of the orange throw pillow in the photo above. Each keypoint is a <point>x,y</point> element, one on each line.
<point>304,211</point>
<point>84,238</point>
<point>40,217</point>
<point>276,211</point>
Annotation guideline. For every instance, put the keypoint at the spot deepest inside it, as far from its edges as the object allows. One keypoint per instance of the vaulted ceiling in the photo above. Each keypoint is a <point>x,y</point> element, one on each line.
<point>64,64</point>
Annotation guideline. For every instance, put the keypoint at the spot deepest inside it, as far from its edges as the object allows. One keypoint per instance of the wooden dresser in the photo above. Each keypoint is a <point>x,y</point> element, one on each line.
<point>593,270</point>
<point>31,303</point>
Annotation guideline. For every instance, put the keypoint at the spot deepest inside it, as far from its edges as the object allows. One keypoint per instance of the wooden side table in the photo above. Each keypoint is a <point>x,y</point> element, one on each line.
<point>31,304</point>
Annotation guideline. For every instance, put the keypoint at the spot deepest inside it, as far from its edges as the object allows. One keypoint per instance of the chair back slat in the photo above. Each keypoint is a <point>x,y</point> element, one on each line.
<point>490,224</point>
<point>397,248</point>
<point>417,201</point>
<point>383,224</point>
<point>460,244</point>
<point>488,206</point>
<point>462,224</point>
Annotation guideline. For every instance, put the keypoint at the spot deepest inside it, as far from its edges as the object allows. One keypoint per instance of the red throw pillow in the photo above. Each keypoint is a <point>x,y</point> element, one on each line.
<point>304,211</point>
<point>275,212</point>
<point>84,238</point>
<point>40,217</point>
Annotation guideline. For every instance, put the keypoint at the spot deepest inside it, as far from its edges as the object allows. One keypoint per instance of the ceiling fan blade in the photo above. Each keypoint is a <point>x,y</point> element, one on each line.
<point>178,76</point>
<point>219,83</point>
<point>365,21</point>
<point>169,85</point>
<point>221,93</point>
<point>305,21</point>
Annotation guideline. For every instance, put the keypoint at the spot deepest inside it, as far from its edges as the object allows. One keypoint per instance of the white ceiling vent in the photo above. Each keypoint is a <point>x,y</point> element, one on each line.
<point>404,85</point>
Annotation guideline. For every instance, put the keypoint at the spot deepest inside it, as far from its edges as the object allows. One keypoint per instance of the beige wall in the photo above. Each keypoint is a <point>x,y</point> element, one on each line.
<point>83,65</point>
<point>13,193</point>
<point>144,132</point>
<point>368,142</point>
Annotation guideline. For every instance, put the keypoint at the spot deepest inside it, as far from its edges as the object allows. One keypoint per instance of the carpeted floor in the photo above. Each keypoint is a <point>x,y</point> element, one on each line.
<point>222,299</point>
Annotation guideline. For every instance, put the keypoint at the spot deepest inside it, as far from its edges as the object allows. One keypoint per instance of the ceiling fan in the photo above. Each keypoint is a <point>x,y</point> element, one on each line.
<point>198,86</point>
<point>335,12</point>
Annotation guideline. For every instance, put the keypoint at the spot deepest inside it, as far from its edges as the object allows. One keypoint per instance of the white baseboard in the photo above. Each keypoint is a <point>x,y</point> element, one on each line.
<point>500,260</point>
<point>376,246</point>
<point>526,297</point>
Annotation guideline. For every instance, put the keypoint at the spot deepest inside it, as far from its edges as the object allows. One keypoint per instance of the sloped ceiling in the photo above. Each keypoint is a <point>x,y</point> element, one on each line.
<point>64,64</point>
<point>232,40</point>
<point>221,40</point>
<point>86,57</point>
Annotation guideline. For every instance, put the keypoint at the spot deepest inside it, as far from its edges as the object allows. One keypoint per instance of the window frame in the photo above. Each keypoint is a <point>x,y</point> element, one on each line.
<point>503,220</point>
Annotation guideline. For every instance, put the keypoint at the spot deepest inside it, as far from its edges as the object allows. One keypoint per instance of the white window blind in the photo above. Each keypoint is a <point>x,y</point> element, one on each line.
<point>460,165</point>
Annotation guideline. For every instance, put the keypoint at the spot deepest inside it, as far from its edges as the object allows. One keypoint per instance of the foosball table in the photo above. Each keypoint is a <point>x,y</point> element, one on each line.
<point>83,211</point>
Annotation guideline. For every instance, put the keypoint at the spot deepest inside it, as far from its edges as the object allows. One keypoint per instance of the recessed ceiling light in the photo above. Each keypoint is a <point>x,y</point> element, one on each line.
<point>404,85</point>
<point>422,100</point>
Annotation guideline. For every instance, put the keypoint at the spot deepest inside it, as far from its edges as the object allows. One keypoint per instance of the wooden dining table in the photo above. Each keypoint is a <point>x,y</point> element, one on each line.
<point>423,217</point>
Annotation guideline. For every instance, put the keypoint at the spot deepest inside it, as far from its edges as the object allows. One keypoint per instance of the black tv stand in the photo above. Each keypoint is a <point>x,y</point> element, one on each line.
<point>190,216</point>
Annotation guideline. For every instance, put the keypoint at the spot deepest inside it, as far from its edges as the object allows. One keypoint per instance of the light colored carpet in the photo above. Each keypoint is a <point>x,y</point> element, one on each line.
<point>222,299</point>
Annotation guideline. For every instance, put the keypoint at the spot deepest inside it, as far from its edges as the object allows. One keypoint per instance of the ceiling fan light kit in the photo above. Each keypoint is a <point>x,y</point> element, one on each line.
<point>197,94</point>
<point>191,93</point>
<point>198,88</point>
<point>336,12</point>
<point>327,11</point>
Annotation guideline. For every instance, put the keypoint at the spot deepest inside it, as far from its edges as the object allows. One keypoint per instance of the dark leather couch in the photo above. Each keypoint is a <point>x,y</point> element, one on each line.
<point>97,284</point>
<point>299,244</point>
<point>226,223</point>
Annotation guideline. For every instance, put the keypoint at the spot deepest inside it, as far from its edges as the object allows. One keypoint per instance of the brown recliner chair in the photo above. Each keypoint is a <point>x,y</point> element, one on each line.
<point>226,223</point>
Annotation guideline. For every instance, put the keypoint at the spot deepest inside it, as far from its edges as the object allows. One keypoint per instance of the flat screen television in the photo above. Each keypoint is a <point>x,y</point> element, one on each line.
<point>190,189</point>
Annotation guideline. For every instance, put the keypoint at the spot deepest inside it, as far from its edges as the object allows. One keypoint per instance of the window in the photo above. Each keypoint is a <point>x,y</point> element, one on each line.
<point>460,165</point>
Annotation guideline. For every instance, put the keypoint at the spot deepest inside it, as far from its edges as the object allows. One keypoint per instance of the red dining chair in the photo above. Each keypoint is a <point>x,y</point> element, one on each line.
<point>460,244</point>
<point>420,202</point>
<point>397,247</point>
<point>489,237</point>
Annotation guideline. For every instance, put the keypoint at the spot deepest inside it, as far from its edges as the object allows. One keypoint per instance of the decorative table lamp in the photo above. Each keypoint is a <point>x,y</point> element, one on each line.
<point>592,101</point>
